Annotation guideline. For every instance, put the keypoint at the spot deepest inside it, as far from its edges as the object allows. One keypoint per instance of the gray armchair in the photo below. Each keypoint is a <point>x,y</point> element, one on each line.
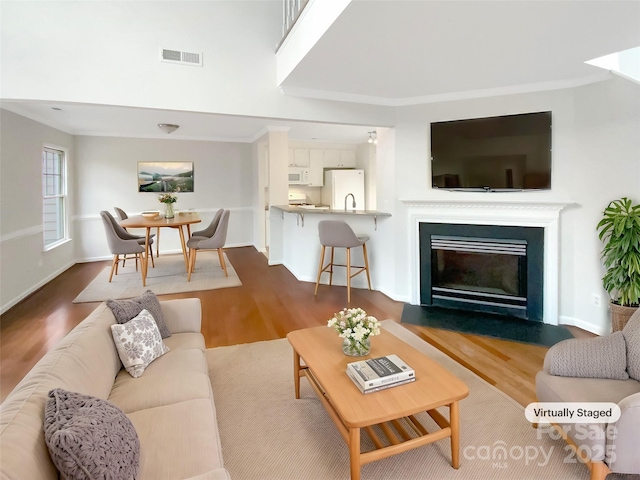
<point>601,369</point>
<point>125,235</point>
<point>218,230</point>
<point>120,246</point>
<point>211,229</point>
<point>122,215</point>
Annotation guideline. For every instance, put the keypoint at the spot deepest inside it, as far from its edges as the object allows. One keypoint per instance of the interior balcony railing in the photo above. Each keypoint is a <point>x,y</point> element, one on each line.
<point>291,10</point>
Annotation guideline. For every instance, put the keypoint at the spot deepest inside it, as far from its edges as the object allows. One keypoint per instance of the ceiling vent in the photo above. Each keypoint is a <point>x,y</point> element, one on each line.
<point>183,58</point>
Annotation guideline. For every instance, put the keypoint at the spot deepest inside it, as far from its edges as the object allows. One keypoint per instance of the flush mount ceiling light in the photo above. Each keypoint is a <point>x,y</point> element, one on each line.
<point>168,127</point>
<point>373,137</point>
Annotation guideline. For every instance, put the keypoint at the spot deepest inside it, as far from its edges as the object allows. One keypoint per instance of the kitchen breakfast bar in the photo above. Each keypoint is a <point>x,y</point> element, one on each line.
<point>294,241</point>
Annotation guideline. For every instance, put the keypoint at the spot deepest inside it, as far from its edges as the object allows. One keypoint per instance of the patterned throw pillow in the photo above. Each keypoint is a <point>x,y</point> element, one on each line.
<point>138,342</point>
<point>125,310</point>
<point>600,357</point>
<point>631,333</point>
<point>90,438</point>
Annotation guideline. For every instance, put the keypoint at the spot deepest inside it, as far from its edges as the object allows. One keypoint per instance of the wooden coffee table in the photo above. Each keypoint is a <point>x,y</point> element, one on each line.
<point>387,416</point>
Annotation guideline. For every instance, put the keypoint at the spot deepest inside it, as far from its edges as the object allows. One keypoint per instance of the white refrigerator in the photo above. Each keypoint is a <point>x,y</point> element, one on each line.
<point>340,183</point>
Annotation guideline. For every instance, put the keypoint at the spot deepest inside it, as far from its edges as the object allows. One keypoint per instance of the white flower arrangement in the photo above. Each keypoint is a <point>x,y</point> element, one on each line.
<point>355,326</point>
<point>168,197</point>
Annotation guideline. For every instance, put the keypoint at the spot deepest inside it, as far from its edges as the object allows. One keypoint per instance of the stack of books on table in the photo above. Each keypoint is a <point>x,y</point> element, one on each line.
<point>380,373</point>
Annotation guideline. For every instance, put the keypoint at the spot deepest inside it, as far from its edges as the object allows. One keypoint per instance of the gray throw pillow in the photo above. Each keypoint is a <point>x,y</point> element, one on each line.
<point>90,438</point>
<point>125,310</point>
<point>631,334</point>
<point>600,357</point>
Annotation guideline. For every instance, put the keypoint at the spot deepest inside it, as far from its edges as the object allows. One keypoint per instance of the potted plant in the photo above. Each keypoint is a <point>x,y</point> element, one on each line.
<point>619,229</point>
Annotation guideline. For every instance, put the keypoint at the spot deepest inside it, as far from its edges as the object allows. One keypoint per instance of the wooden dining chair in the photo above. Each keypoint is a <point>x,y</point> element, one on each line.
<point>120,246</point>
<point>216,241</point>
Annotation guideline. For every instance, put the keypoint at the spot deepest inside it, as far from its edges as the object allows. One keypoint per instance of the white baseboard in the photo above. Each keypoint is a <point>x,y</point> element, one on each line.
<point>395,296</point>
<point>35,287</point>
<point>391,295</point>
<point>589,327</point>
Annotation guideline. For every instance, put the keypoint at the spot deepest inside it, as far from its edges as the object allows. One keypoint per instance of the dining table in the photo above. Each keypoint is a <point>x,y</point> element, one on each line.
<point>180,220</point>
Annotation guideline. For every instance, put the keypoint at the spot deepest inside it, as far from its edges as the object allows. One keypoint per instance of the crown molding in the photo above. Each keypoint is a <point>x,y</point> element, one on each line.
<point>446,97</point>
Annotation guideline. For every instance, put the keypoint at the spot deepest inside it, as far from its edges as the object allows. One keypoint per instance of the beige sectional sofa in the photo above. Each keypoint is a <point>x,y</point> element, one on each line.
<point>171,405</point>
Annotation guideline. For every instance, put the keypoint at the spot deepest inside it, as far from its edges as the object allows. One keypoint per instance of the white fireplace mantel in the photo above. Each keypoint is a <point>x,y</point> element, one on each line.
<point>493,212</point>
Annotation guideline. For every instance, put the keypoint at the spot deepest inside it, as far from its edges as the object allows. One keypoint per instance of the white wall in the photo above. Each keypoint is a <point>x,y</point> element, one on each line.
<point>108,52</point>
<point>605,165</point>
<point>596,158</point>
<point>106,177</point>
<point>24,265</point>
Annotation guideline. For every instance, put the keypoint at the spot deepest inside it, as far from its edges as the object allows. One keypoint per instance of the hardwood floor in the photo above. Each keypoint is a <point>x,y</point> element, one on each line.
<point>269,304</point>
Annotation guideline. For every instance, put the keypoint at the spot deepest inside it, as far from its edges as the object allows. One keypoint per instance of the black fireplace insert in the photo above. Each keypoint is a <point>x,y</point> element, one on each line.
<point>487,268</point>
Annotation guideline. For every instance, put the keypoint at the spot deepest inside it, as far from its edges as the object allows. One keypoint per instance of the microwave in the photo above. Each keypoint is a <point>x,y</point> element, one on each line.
<point>298,176</point>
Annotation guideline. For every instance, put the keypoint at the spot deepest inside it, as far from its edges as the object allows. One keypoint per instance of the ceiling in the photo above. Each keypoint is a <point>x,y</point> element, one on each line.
<point>104,120</point>
<point>398,53</point>
<point>409,52</point>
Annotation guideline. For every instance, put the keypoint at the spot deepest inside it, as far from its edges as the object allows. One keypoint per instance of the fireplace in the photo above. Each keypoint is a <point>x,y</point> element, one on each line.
<point>518,210</point>
<point>487,268</point>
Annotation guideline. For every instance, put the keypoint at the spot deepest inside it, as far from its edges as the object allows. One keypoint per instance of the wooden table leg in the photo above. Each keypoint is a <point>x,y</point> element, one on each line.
<point>454,421</point>
<point>354,452</point>
<point>184,248</point>
<point>296,373</point>
<point>145,257</point>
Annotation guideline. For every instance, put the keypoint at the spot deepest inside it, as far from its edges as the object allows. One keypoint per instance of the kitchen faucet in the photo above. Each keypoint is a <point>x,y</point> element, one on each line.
<point>345,201</point>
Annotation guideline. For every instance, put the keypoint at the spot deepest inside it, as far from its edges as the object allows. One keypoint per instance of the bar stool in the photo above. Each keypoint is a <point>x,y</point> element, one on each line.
<point>336,233</point>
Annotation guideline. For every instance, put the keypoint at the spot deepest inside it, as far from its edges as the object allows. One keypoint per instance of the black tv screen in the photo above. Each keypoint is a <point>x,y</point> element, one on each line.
<point>511,152</point>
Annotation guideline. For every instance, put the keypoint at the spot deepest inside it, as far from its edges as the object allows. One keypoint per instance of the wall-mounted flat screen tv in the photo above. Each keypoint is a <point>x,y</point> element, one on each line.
<point>506,153</point>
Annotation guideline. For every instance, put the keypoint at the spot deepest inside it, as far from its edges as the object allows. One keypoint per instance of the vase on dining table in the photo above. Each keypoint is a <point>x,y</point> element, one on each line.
<point>168,210</point>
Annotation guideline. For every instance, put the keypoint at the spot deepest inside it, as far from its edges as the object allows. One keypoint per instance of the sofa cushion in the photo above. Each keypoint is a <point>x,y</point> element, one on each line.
<point>151,391</point>
<point>185,341</point>
<point>631,333</point>
<point>184,369</point>
<point>600,357</point>
<point>179,440</point>
<point>125,310</point>
<point>551,388</point>
<point>90,438</point>
<point>138,342</point>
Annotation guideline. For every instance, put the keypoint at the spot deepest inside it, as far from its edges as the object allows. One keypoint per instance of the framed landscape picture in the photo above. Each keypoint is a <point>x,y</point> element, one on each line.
<point>158,177</point>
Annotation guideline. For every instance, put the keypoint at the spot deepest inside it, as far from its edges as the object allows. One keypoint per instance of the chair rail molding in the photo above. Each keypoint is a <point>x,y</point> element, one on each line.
<point>22,233</point>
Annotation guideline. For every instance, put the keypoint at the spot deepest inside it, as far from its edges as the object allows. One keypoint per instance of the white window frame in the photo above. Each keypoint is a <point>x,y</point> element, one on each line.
<point>61,220</point>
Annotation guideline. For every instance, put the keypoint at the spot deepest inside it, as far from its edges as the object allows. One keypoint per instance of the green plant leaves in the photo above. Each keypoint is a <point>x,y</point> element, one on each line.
<point>619,229</point>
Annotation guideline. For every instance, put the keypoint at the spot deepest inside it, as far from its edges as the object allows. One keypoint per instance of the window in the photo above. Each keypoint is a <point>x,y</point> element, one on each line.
<point>54,197</point>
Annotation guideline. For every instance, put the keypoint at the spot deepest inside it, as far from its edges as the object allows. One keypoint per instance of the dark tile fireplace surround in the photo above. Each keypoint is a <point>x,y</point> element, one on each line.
<point>483,268</point>
<point>485,280</point>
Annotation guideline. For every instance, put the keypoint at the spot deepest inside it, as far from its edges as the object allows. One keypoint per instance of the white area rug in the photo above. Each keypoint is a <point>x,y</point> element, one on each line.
<point>169,276</point>
<point>267,434</point>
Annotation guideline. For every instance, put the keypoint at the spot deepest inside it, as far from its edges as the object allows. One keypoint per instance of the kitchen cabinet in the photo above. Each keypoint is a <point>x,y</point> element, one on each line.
<point>298,157</point>
<point>316,165</point>
<point>339,159</point>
